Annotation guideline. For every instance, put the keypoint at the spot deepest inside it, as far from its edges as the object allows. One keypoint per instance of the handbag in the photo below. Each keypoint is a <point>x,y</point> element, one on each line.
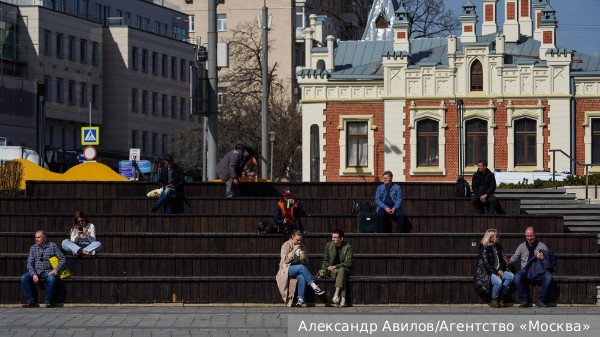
<point>63,273</point>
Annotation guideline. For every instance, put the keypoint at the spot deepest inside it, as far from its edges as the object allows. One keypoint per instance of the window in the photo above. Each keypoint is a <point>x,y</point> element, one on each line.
<point>71,93</point>
<point>145,60</point>
<point>98,12</point>
<point>47,88</point>
<point>596,141</point>
<point>71,48</point>
<point>95,52</point>
<point>192,23</point>
<point>357,144</point>
<point>174,107</point>
<point>476,76</point>
<point>221,22</point>
<point>144,102</point>
<point>182,108</point>
<point>47,46</point>
<point>427,143</point>
<point>59,90</point>
<point>164,105</point>
<point>83,51</point>
<point>157,27</point>
<point>138,22</point>
<point>59,45</point>
<point>83,94</point>
<point>154,143</point>
<point>163,147</point>
<point>525,142</point>
<point>182,69</point>
<point>94,96</point>
<point>155,103</point>
<point>300,17</point>
<point>221,96</point>
<point>134,138</point>
<point>165,65</point>
<point>154,63</point>
<point>134,100</point>
<point>476,141</point>
<point>127,18</point>
<point>146,24</point>
<point>134,58</point>
<point>144,141</point>
<point>173,67</point>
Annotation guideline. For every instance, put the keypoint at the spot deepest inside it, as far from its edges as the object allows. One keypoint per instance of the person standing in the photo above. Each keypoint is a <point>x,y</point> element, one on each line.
<point>492,279</point>
<point>83,237</point>
<point>39,269</point>
<point>230,167</point>
<point>536,263</point>
<point>293,271</point>
<point>484,186</point>
<point>337,264</point>
<point>171,180</point>
<point>389,203</point>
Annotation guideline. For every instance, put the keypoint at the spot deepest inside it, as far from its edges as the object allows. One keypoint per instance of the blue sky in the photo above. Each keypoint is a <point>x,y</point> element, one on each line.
<point>578,24</point>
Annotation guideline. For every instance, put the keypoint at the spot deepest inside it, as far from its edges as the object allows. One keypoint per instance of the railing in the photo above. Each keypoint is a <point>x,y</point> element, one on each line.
<point>587,169</point>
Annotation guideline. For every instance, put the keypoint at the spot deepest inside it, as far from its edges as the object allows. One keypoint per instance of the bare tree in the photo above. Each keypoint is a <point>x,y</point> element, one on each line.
<point>429,18</point>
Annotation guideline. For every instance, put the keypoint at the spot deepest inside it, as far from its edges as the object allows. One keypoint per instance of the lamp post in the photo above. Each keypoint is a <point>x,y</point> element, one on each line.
<point>272,139</point>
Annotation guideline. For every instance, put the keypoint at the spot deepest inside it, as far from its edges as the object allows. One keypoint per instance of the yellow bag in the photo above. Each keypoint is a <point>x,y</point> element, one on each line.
<point>63,273</point>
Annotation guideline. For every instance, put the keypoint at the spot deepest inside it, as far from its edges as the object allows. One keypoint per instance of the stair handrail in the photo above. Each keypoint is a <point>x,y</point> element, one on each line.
<point>587,168</point>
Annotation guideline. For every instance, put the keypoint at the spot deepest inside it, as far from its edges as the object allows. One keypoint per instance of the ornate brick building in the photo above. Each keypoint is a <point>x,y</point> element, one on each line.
<point>428,109</point>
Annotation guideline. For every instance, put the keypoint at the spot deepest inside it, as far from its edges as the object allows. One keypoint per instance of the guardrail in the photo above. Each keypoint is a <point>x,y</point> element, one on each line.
<point>587,169</point>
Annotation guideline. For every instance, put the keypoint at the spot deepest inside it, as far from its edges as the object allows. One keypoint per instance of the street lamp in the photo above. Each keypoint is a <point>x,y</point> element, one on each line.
<point>272,139</point>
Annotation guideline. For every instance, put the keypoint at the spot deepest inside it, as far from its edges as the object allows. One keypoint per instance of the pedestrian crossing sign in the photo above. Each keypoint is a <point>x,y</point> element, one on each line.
<point>90,135</point>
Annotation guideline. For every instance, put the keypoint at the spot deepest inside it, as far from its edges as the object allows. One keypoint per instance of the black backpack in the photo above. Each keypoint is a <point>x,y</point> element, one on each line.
<point>266,227</point>
<point>463,189</point>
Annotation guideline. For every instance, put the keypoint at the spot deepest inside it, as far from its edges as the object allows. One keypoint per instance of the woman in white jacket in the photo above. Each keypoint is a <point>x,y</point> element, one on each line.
<point>83,237</point>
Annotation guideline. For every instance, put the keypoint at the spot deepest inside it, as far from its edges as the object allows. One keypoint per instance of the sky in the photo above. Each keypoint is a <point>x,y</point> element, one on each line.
<point>578,24</point>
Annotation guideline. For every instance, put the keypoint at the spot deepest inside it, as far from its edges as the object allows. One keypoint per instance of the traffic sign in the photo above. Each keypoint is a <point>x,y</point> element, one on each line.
<point>89,153</point>
<point>90,135</point>
<point>135,154</point>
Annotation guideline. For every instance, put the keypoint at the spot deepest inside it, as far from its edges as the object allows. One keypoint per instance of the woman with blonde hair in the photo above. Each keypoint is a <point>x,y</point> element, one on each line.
<point>492,279</point>
<point>83,237</point>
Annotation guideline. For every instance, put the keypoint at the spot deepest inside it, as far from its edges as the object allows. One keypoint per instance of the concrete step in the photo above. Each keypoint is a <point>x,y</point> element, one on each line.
<point>527,202</point>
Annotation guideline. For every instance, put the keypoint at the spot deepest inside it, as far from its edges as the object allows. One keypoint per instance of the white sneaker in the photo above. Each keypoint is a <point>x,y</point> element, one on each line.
<point>343,302</point>
<point>300,302</point>
<point>319,291</point>
<point>335,300</point>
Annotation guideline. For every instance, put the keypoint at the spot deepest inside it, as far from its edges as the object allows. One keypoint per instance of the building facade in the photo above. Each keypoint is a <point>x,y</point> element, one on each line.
<point>429,109</point>
<point>121,65</point>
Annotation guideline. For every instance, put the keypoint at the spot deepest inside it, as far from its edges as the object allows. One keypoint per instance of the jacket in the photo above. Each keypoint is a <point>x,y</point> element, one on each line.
<point>483,183</point>
<point>177,176</point>
<point>486,266</point>
<point>538,267</point>
<point>285,285</point>
<point>395,193</point>
<point>231,165</point>
<point>345,256</point>
<point>293,214</point>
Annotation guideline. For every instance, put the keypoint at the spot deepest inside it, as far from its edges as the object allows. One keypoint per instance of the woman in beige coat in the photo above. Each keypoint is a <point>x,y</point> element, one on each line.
<point>292,271</point>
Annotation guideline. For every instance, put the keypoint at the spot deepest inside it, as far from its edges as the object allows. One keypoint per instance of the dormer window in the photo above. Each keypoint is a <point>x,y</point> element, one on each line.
<point>476,76</point>
<point>381,22</point>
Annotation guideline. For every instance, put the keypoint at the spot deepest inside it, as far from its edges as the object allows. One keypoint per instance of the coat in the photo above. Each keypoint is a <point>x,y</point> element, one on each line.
<point>485,268</point>
<point>179,180</point>
<point>231,165</point>
<point>483,183</point>
<point>345,256</point>
<point>287,286</point>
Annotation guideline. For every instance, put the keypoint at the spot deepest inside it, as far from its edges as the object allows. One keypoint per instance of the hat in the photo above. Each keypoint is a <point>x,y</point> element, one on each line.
<point>287,192</point>
<point>240,146</point>
<point>169,158</point>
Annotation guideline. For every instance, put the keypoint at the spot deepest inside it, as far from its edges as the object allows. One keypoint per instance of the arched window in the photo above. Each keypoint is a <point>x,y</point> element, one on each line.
<point>476,141</point>
<point>525,142</point>
<point>596,141</point>
<point>476,76</point>
<point>321,65</point>
<point>427,143</point>
<point>314,153</point>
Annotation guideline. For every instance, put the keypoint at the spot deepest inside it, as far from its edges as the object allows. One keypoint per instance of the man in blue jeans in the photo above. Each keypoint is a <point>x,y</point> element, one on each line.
<point>389,203</point>
<point>39,268</point>
<point>528,252</point>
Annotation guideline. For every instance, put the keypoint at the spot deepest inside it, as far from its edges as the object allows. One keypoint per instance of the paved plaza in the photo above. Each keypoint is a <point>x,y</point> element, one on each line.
<point>190,320</point>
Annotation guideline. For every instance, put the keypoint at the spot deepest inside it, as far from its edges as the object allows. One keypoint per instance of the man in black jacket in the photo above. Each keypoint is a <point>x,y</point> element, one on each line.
<point>171,180</point>
<point>484,186</point>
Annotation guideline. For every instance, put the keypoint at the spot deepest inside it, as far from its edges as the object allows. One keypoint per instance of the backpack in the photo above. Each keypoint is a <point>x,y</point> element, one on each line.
<point>366,206</point>
<point>265,227</point>
<point>463,189</point>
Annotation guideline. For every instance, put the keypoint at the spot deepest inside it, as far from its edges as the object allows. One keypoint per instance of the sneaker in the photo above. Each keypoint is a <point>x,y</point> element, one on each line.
<point>335,300</point>
<point>494,303</point>
<point>319,291</point>
<point>343,302</point>
<point>93,253</point>
<point>524,305</point>
<point>51,305</point>
<point>30,305</point>
<point>541,304</point>
<point>300,302</point>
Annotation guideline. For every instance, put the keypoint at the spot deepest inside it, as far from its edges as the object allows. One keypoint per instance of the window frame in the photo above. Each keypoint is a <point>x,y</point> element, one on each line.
<point>429,135</point>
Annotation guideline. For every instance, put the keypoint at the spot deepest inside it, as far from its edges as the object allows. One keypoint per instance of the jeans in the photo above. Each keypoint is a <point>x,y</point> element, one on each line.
<point>522,285</point>
<point>30,291</point>
<point>480,207</point>
<point>383,216</point>
<point>166,193</point>
<point>74,247</point>
<point>501,284</point>
<point>302,275</point>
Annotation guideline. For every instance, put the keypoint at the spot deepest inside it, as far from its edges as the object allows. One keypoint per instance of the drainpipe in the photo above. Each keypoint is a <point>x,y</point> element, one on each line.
<point>573,127</point>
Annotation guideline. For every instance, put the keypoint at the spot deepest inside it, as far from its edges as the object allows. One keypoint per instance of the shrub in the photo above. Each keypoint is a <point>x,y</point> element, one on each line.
<point>11,174</point>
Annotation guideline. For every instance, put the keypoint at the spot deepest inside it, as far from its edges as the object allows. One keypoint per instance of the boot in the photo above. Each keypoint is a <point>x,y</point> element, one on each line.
<point>501,301</point>
<point>494,303</point>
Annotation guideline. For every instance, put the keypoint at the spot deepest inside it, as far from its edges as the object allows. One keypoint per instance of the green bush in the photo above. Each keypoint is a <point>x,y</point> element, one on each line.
<point>11,174</point>
<point>593,179</point>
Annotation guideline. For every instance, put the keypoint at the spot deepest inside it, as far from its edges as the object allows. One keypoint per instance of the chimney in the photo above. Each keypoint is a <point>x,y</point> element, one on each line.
<point>500,44</point>
<point>538,6</point>
<point>468,20</point>
<point>525,21</point>
<point>401,29</point>
<point>451,50</point>
<point>308,45</point>
<point>548,25</point>
<point>489,25</point>
<point>511,21</point>
<point>317,27</point>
